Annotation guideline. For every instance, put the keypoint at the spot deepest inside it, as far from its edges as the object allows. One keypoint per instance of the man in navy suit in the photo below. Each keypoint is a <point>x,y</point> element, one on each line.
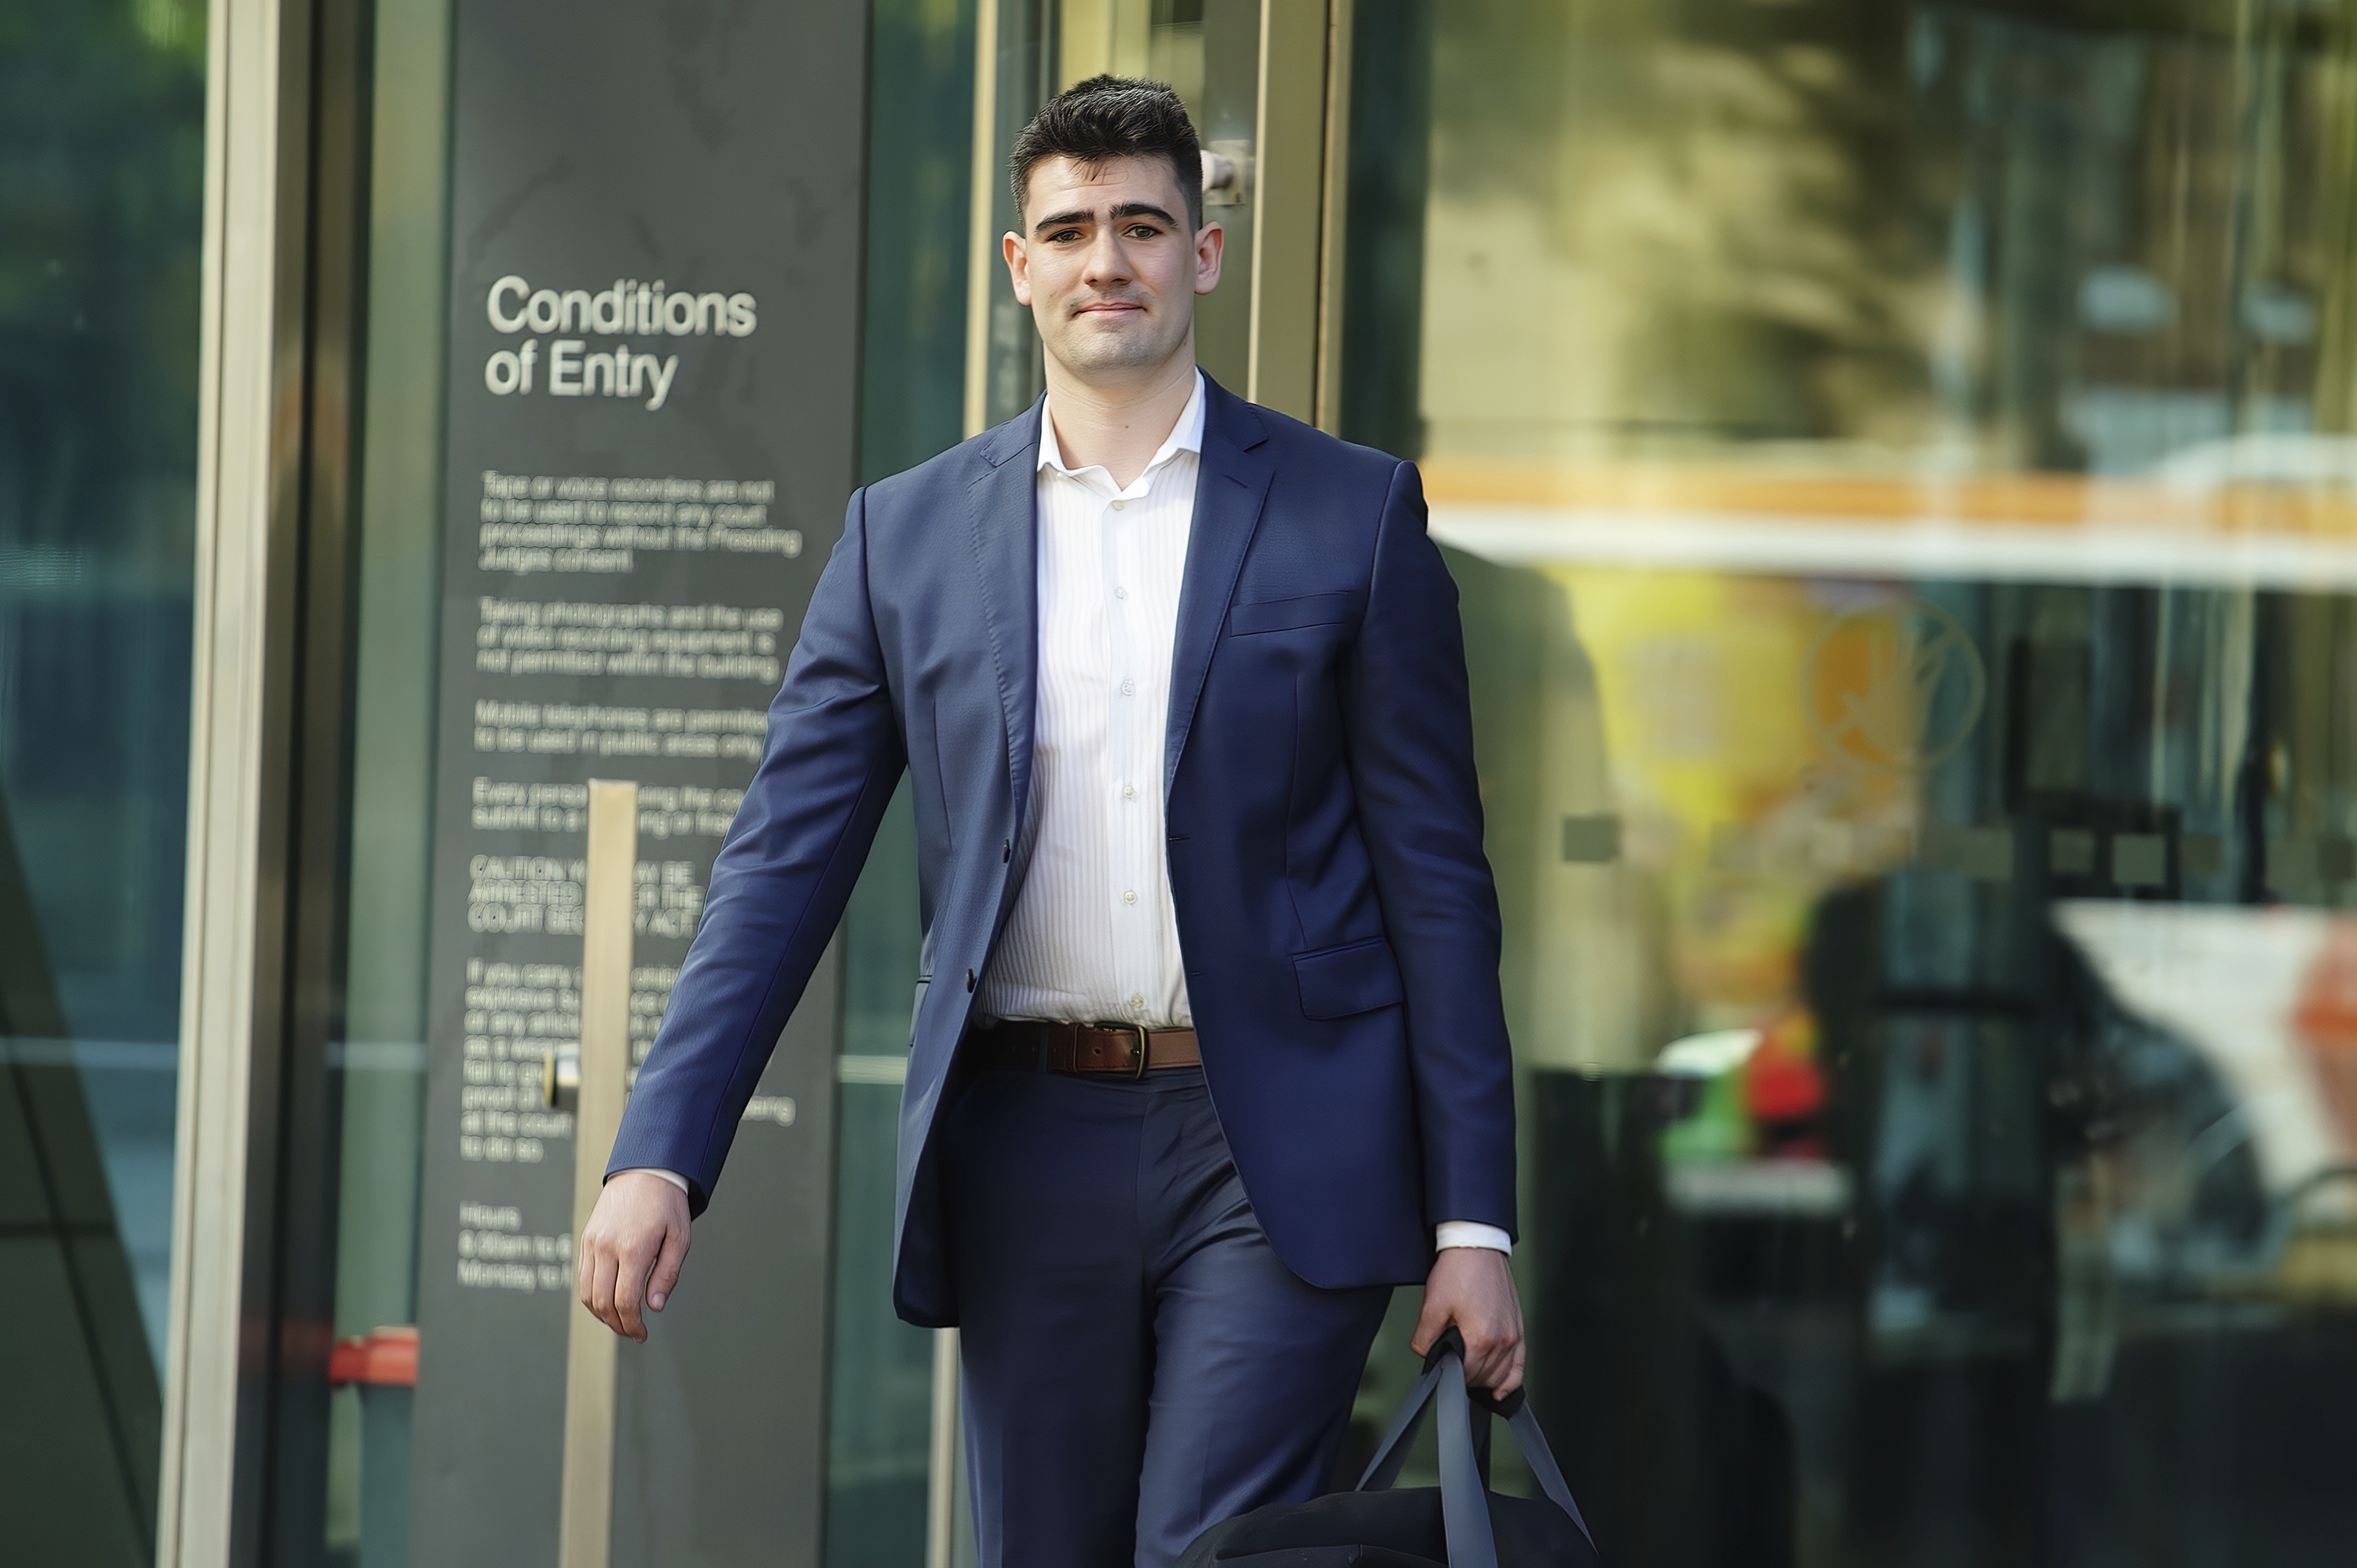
<point>1207,1050</point>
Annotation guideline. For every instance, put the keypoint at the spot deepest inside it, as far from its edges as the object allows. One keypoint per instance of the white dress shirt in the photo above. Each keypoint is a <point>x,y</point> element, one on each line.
<point>1093,935</point>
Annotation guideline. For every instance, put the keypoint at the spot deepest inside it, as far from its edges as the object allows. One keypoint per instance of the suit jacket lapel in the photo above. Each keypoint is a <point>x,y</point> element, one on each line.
<point>1005,534</point>
<point>1230,489</point>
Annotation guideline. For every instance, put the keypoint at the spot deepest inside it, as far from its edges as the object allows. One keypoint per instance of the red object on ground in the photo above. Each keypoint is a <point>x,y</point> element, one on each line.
<point>385,1356</point>
<point>1780,1086</point>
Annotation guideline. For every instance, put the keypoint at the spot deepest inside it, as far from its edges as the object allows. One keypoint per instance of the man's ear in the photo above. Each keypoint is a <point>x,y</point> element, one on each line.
<point>1210,244</point>
<point>1018,265</point>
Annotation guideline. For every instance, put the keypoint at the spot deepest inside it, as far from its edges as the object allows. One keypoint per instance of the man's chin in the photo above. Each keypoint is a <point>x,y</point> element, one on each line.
<point>1115,349</point>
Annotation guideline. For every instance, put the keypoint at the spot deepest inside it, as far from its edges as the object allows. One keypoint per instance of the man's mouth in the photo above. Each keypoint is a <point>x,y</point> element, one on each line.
<point>1110,307</point>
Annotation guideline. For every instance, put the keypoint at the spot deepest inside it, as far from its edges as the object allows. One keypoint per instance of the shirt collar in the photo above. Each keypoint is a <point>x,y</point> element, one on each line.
<point>1187,436</point>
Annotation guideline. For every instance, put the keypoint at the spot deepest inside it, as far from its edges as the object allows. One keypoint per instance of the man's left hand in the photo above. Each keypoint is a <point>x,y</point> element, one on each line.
<point>1473,1287</point>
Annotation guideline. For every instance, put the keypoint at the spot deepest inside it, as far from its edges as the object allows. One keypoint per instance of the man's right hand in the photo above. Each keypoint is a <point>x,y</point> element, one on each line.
<point>631,1250</point>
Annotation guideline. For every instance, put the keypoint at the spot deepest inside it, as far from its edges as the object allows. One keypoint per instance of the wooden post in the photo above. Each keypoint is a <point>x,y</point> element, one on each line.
<point>584,1537</point>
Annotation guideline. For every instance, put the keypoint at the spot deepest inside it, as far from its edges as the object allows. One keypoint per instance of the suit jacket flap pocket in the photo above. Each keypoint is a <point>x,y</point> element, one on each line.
<point>1281,615</point>
<point>1338,982</point>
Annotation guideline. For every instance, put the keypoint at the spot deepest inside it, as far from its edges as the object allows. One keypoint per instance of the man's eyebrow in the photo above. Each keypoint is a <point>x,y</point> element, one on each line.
<point>1082,215</point>
<point>1144,210</point>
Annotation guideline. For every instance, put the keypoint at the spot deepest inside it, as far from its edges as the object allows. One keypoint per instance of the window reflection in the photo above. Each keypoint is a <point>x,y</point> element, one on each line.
<point>1895,462</point>
<point>1914,1094</point>
<point>102,141</point>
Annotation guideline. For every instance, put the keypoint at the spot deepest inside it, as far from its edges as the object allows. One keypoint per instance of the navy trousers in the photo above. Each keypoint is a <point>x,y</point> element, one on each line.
<point>1138,1363</point>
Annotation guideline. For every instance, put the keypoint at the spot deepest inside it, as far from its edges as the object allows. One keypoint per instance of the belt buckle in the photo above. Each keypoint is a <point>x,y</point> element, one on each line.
<point>1139,1072</point>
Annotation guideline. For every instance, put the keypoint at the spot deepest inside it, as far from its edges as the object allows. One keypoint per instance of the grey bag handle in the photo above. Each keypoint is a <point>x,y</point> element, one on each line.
<point>1463,1500</point>
<point>1391,1450</point>
<point>1464,1507</point>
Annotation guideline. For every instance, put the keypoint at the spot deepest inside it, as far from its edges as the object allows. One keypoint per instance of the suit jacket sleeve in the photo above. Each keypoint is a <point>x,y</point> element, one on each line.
<point>1408,723</point>
<point>832,760</point>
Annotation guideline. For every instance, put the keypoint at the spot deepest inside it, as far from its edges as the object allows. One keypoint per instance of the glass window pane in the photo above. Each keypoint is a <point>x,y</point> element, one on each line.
<point>880,1393</point>
<point>1895,461</point>
<point>101,164</point>
<point>398,598</point>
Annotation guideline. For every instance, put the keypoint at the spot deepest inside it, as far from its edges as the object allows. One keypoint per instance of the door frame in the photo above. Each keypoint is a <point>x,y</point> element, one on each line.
<point>253,1178</point>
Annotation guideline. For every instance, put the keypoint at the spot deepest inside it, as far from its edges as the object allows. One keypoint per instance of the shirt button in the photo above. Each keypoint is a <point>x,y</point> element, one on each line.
<point>1128,688</point>
<point>1129,896</point>
<point>1136,999</point>
<point>1121,593</point>
<point>1118,505</point>
<point>1129,791</point>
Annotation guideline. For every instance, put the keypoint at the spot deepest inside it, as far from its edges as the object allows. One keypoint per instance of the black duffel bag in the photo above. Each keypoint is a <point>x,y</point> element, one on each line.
<point>1460,1523</point>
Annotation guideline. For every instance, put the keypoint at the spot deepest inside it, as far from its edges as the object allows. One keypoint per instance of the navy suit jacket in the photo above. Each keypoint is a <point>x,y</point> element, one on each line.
<point>1337,916</point>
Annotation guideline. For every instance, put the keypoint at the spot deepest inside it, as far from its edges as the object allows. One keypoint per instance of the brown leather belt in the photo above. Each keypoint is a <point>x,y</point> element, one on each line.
<point>1114,1050</point>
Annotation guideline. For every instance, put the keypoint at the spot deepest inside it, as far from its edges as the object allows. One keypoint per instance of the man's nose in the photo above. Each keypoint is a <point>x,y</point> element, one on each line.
<point>1108,263</point>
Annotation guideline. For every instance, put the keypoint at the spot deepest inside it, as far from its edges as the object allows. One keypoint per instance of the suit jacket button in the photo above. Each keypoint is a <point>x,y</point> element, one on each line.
<point>969,979</point>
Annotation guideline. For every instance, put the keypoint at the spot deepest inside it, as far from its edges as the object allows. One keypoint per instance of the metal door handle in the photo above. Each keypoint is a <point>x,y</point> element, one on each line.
<point>601,1078</point>
<point>560,1079</point>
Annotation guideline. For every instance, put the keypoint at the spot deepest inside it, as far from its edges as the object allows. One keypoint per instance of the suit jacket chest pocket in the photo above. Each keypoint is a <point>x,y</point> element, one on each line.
<point>1334,613</point>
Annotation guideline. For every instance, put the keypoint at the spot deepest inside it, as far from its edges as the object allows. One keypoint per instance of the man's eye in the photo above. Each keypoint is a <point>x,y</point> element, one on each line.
<point>1143,232</point>
<point>1061,235</point>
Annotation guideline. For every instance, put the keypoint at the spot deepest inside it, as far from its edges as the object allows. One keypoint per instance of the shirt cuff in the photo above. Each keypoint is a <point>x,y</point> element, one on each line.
<point>1462,1233</point>
<point>674,1177</point>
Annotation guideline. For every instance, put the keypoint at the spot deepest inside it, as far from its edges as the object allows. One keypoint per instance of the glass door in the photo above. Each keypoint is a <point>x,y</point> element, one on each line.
<point>609,406</point>
<point>619,373</point>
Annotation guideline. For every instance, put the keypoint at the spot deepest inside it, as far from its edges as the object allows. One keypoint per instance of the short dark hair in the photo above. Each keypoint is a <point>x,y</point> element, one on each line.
<point>1109,117</point>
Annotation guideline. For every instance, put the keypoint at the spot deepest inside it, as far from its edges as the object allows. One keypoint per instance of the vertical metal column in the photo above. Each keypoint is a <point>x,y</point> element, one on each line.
<point>941,1473</point>
<point>584,1538</point>
<point>1289,175</point>
<point>983,261</point>
<point>982,267</point>
<point>1334,216</point>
